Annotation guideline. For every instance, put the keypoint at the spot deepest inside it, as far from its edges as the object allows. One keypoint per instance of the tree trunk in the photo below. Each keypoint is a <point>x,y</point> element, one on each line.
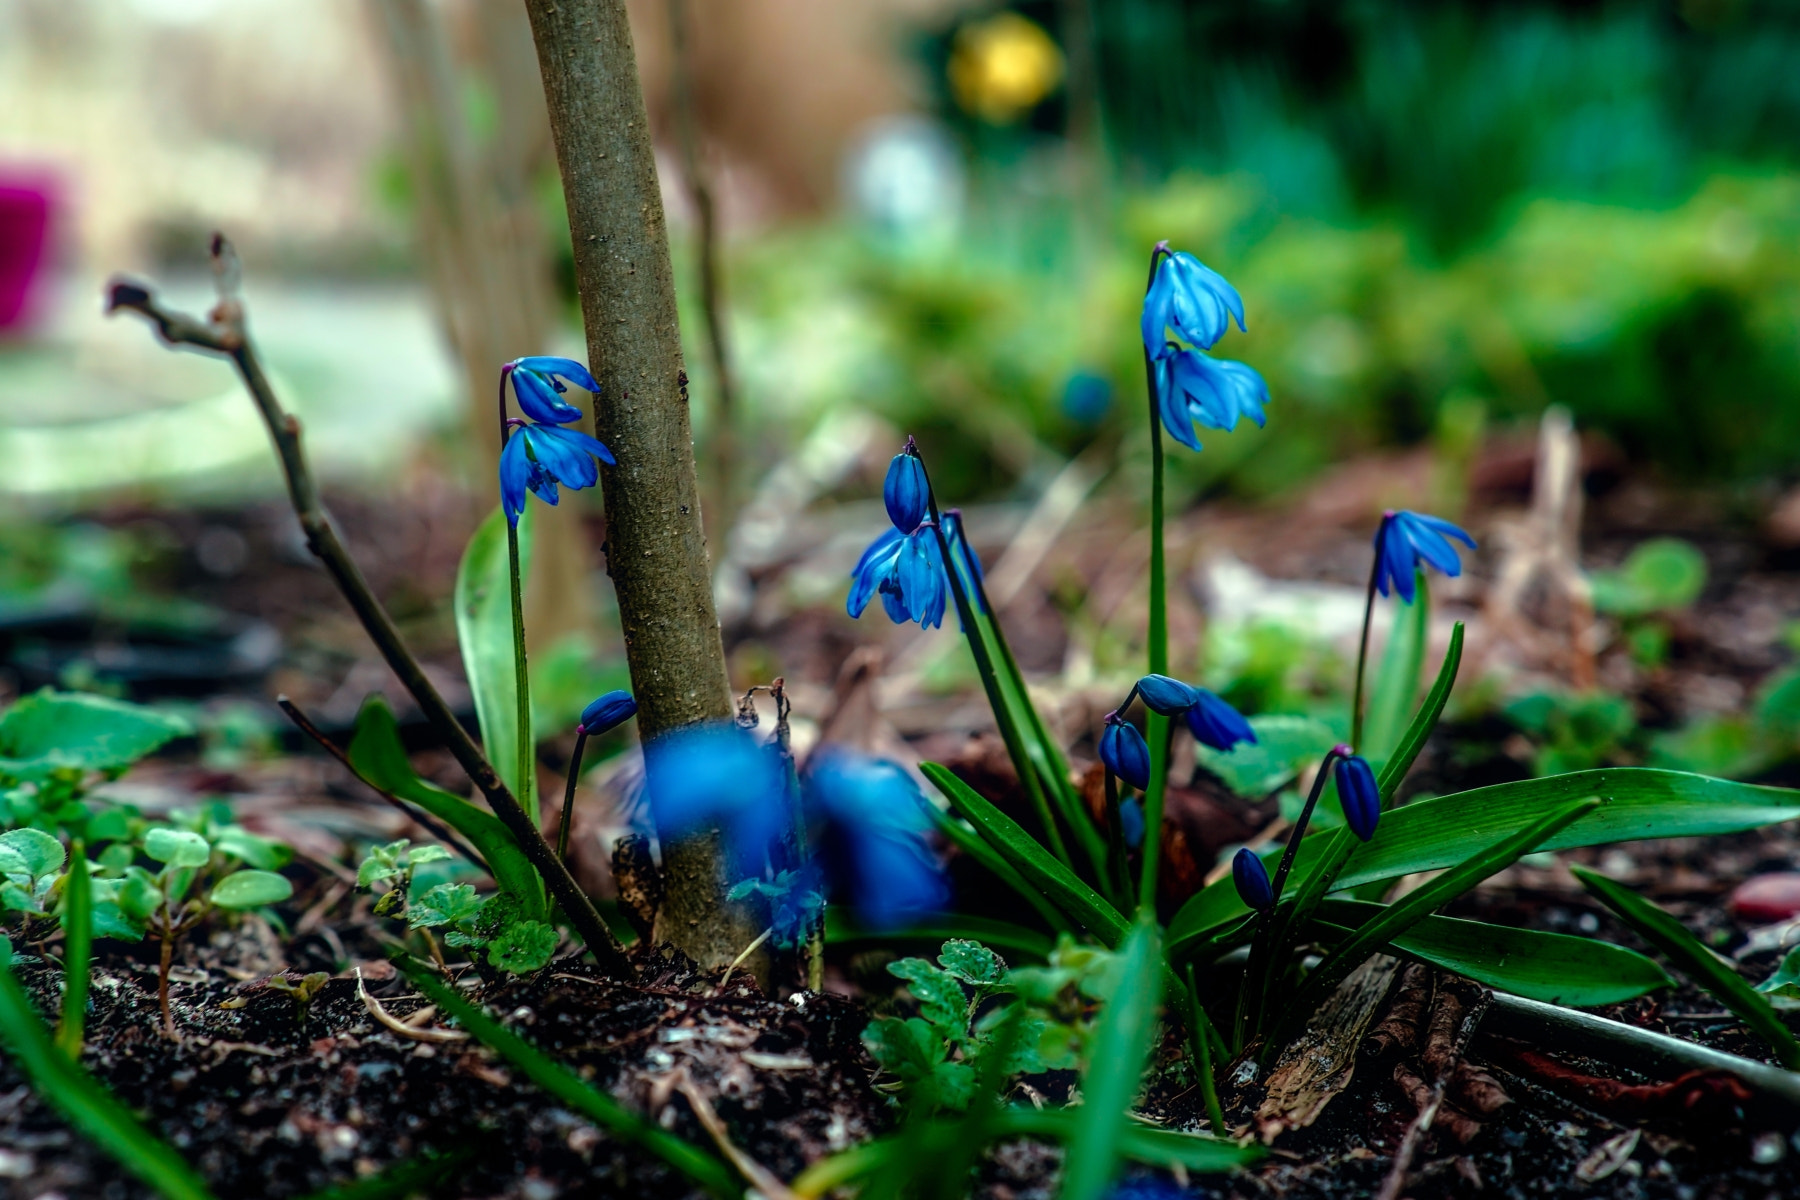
<point>656,549</point>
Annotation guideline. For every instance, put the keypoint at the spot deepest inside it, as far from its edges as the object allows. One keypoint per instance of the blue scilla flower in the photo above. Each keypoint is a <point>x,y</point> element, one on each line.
<point>1194,388</point>
<point>538,383</point>
<point>1124,751</point>
<point>1358,793</point>
<point>1166,695</point>
<point>537,458</point>
<point>1213,722</point>
<point>867,824</point>
<point>1406,539</point>
<point>718,776</point>
<point>905,491</point>
<point>907,571</point>
<point>1131,822</point>
<point>1251,879</point>
<point>608,712</point>
<point>1187,301</point>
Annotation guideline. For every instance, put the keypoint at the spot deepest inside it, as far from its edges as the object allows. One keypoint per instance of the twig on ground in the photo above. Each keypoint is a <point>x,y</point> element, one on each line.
<point>224,332</point>
<point>400,1025</point>
<point>1409,1146</point>
<point>754,1173</point>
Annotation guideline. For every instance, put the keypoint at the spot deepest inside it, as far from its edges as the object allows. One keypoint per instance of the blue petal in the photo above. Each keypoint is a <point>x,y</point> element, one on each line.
<point>568,368</point>
<point>875,565</point>
<point>1249,392</point>
<point>539,401</point>
<point>515,476</point>
<point>894,603</point>
<point>1173,405</point>
<point>608,711</point>
<point>868,822</point>
<point>565,463</point>
<point>1216,723</point>
<point>1167,696</point>
<point>580,446</point>
<point>1156,316</point>
<point>905,492</point>
<point>718,776</point>
<point>1203,302</point>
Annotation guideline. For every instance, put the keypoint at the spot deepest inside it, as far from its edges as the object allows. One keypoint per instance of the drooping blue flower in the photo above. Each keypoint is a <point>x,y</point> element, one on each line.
<point>1167,696</point>
<point>608,712</point>
<point>1131,822</point>
<point>1190,302</point>
<point>1192,387</point>
<point>1359,794</point>
<point>963,557</point>
<point>718,776</point>
<point>866,822</point>
<point>1215,723</point>
<point>1405,539</point>
<point>905,491</point>
<point>1124,751</point>
<point>907,571</point>
<point>538,383</point>
<point>538,457</point>
<point>1252,879</point>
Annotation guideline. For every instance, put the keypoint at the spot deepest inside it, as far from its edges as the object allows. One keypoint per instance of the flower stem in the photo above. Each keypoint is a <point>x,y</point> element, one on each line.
<point>1362,649</point>
<point>563,823</point>
<point>1157,728</point>
<point>527,745</point>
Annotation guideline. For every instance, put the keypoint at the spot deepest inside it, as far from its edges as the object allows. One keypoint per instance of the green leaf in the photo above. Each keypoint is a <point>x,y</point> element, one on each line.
<point>1695,960</point>
<point>1427,835</point>
<point>265,854</point>
<point>445,904</point>
<point>78,945</point>
<point>1121,1047</point>
<point>1660,575</point>
<point>251,889</point>
<point>907,1049</point>
<point>973,963</point>
<point>85,1104</point>
<point>1556,968</point>
<point>1012,938</point>
<point>376,753</point>
<point>941,1000</point>
<point>50,730</point>
<point>111,920</point>
<point>1396,686</point>
<point>561,1083</point>
<point>522,946</point>
<point>483,600</point>
<point>1396,919</point>
<point>1034,864</point>
<point>1783,987</point>
<point>418,856</point>
<point>30,852</point>
<point>975,846</point>
<point>177,847</point>
<point>1284,746</point>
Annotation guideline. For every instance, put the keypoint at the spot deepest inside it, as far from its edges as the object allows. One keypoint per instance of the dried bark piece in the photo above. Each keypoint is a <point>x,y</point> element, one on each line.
<point>1398,1032</point>
<point>1456,1010</point>
<point>1475,1091</point>
<point>1449,1118</point>
<point>639,882</point>
<point>1708,1098</point>
<point>1318,1064</point>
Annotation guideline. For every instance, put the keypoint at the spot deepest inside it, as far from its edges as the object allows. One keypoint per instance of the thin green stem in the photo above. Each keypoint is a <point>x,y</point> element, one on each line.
<point>527,744</point>
<point>565,820</point>
<point>1160,732</point>
<point>1362,648</point>
<point>1158,726</point>
<point>1201,1031</point>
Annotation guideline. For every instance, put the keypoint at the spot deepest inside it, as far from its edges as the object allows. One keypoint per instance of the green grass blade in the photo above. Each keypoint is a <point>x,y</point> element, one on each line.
<point>78,947</point>
<point>1695,961</point>
<point>1120,1050</point>
<point>1406,750</point>
<point>379,758</point>
<point>562,1083</point>
<point>483,601</point>
<point>1396,687</point>
<point>1395,919</point>
<point>976,847</point>
<point>85,1104</point>
<point>1556,968</point>
<point>1000,935</point>
<point>1051,878</point>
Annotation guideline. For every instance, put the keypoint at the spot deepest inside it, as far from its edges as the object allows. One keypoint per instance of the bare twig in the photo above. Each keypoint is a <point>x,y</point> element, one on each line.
<point>754,1173</point>
<point>401,1026</point>
<point>224,332</point>
<point>423,820</point>
<point>1409,1146</point>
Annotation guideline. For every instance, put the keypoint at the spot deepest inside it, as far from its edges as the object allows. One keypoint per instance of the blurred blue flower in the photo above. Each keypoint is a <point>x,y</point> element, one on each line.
<point>1086,398</point>
<point>1215,723</point>
<point>1124,751</point>
<point>866,821</point>
<point>905,491</point>
<point>907,570</point>
<point>1404,540</point>
<point>1252,879</point>
<point>1215,392</point>
<point>1131,822</point>
<point>964,558</point>
<point>538,457</point>
<point>795,899</point>
<point>608,712</point>
<point>1167,696</point>
<point>538,383</point>
<point>1359,794</point>
<point>719,776</point>
<point>1187,301</point>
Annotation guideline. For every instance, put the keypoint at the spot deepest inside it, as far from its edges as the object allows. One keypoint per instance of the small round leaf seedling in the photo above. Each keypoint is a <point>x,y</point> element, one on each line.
<point>251,889</point>
<point>177,847</point>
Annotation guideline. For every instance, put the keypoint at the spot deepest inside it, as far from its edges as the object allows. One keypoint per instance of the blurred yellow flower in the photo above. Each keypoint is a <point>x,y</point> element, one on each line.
<point>1003,67</point>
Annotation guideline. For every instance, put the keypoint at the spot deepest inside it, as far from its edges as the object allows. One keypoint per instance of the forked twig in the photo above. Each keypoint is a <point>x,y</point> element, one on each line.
<point>223,332</point>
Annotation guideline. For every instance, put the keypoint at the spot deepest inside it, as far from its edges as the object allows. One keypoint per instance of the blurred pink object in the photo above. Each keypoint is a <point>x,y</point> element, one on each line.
<point>27,199</point>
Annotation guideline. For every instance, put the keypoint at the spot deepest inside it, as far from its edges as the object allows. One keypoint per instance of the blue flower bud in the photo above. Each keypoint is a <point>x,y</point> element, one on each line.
<point>608,712</point>
<point>1166,696</point>
<point>905,492</point>
<point>1131,822</point>
<point>538,399</point>
<point>1125,753</point>
<point>1252,879</point>
<point>1359,794</point>
<point>1215,723</point>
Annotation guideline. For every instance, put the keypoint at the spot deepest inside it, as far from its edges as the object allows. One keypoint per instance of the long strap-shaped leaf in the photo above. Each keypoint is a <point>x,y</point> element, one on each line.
<point>1401,916</point>
<point>78,946</point>
<point>972,844</point>
<point>567,1087</point>
<point>1115,1070</point>
<point>1556,968</point>
<point>1695,960</point>
<point>86,1104</point>
<point>1055,881</point>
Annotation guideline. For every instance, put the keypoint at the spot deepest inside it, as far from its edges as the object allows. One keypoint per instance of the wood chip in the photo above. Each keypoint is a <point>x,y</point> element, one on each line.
<point>1318,1064</point>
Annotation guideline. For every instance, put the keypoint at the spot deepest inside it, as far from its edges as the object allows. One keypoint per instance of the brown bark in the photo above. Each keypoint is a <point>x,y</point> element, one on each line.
<point>656,549</point>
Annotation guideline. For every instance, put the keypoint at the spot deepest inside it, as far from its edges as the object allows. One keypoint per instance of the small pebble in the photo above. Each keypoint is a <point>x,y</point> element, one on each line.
<point>1767,898</point>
